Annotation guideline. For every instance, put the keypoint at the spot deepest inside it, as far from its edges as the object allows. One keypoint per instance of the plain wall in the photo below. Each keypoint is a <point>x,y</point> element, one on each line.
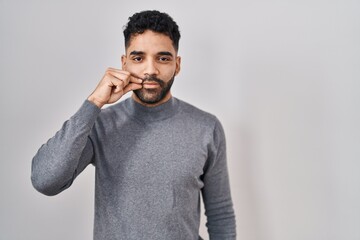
<point>282,76</point>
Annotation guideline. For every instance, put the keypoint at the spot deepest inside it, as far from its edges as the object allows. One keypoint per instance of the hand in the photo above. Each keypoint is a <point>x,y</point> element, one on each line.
<point>113,86</point>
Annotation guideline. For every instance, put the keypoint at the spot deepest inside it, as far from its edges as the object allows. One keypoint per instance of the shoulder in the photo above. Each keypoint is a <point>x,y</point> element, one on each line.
<point>197,115</point>
<point>112,115</point>
<point>111,110</point>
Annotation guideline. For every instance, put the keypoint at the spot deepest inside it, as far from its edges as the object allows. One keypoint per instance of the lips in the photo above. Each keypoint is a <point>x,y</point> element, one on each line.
<point>150,84</point>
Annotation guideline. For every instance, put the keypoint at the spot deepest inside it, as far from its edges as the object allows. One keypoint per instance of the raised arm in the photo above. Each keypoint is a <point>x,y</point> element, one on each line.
<point>64,156</point>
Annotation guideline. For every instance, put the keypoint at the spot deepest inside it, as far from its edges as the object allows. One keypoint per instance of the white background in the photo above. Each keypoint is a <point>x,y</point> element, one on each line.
<point>282,76</point>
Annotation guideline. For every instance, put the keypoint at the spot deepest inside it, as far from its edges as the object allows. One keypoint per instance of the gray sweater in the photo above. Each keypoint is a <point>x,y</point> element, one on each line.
<point>151,166</point>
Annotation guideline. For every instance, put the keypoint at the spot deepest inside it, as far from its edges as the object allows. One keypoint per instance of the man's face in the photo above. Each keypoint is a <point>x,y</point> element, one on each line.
<point>152,56</point>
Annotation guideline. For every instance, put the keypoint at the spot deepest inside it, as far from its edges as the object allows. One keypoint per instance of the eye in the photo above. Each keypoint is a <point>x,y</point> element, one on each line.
<point>137,59</point>
<point>164,59</point>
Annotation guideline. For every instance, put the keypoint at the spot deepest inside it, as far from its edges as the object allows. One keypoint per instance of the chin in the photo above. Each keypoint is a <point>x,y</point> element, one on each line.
<point>149,96</point>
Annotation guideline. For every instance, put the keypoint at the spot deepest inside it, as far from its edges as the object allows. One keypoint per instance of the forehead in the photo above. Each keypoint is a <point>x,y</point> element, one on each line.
<point>150,42</point>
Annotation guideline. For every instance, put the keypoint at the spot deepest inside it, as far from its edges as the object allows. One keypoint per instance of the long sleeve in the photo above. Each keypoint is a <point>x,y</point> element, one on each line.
<point>65,155</point>
<point>216,191</point>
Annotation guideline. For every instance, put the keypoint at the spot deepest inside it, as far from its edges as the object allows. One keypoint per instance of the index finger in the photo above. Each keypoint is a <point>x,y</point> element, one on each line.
<point>136,76</point>
<point>125,76</point>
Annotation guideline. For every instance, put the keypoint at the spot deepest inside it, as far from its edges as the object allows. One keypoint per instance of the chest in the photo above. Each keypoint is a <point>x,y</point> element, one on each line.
<point>153,154</point>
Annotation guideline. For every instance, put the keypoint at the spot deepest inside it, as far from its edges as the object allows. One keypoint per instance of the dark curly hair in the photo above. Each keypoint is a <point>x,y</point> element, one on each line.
<point>155,21</point>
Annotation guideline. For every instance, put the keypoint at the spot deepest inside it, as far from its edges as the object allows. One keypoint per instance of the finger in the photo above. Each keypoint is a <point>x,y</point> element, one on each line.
<point>117,70</point>
<point>124,76</point>
<point>132,87</point>
<point>136,80</point>
<point>118,85</point>
<point>135,76</point>
<point>114,83</point>
<point>116,96</point>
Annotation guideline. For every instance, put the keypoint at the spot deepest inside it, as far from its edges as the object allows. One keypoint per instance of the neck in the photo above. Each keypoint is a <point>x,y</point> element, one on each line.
<point>146,114</point>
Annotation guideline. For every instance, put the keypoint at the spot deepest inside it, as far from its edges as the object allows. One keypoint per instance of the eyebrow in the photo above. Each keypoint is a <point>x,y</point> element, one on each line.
<point>165,53</point>
<point>159,53</point>
<point>137,53</point>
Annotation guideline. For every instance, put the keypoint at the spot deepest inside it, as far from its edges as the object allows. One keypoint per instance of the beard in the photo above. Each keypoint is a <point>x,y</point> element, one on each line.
<point>152,96</point>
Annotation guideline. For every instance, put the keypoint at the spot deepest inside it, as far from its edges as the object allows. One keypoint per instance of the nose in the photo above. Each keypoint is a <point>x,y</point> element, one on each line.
<point>151,68</point>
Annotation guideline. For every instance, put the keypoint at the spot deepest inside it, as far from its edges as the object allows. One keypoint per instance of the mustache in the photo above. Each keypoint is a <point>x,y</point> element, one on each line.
<point>153,78</point>
<point>148,78</point>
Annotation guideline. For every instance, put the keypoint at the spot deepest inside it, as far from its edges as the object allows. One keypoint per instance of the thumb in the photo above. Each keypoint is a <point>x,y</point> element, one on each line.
<point>132,87</point>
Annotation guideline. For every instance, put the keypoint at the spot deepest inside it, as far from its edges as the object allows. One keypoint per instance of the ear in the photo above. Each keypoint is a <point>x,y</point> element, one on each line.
<point>123,62</point>
<point>178,63</point>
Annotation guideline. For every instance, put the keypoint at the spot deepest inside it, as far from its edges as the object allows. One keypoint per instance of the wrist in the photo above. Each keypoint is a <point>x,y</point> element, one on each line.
<point>95,101</point>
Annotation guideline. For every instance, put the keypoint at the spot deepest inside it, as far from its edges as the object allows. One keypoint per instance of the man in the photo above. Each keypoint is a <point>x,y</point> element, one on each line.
<point>153,153</point>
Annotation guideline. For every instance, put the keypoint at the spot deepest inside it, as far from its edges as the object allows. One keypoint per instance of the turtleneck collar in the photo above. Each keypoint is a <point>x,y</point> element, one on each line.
<point>151,114</point>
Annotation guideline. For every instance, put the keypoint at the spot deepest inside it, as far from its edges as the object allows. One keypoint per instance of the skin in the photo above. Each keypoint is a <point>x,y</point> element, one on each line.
<point>148,54</point>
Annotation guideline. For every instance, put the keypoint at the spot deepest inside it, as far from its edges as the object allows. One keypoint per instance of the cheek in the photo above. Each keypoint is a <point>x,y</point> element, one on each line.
<point>168,72</point>
<point>129,66</point>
